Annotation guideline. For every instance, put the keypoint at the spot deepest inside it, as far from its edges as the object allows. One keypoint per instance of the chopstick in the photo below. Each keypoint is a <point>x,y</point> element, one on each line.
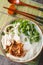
<point>35,7</point>
<point>31,16</point>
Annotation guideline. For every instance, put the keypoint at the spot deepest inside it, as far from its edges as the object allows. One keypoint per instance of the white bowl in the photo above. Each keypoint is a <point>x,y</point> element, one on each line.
<point>39,45</point>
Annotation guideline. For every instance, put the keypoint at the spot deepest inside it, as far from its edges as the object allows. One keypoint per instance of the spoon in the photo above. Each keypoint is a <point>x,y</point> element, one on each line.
<point>18,2</point>
<point>31,16</point>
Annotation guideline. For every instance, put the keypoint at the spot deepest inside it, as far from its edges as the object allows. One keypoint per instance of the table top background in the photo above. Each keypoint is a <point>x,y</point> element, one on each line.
<point>5,61</point>
<point>39,1</point>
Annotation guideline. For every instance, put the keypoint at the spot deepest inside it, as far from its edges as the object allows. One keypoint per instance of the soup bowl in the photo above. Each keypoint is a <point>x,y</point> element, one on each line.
<point>36,46</point>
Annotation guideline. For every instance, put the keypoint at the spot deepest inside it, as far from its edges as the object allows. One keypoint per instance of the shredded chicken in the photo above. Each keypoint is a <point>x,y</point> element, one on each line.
<point>16,49</point>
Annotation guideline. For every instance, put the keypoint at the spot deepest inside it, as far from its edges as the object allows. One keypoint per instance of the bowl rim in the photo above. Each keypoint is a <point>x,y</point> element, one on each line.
<point>31,59</point>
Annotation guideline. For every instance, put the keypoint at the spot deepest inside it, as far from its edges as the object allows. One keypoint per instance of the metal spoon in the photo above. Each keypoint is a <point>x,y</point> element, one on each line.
<point>18,2</point>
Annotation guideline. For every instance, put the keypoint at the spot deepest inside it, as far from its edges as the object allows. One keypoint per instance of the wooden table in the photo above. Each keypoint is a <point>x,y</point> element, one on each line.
<point>41,59</point>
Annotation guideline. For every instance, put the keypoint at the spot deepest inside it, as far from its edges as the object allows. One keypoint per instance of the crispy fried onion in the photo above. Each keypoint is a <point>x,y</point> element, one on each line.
<point>16,49</point>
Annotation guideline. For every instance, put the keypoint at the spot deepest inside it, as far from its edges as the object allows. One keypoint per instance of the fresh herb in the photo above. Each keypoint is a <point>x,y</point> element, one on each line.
<point>9,28</point>
<point>16,21</point>
<point>12,32</point>
<point>18,34</point>
<point>13,22</point>
<point>25,39</point>
<point>2,33</point>
<point>26,27</point>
